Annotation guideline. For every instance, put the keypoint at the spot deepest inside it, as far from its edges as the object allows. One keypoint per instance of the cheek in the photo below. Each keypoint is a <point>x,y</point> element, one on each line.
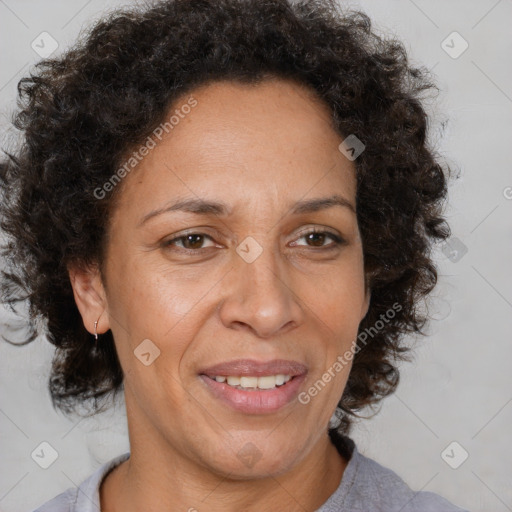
<point>162,312</point>
<point>340,298</point>
<point>157,299</point>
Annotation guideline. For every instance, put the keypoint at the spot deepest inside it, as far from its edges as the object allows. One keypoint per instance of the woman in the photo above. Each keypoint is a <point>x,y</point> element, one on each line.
<point>225,209</point>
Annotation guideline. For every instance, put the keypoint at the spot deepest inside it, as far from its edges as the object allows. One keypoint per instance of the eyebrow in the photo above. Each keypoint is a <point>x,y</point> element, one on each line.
<point>204,207</point>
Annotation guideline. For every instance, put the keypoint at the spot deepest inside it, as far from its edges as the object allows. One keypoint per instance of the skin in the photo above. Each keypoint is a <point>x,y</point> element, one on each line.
<point>260,149</point>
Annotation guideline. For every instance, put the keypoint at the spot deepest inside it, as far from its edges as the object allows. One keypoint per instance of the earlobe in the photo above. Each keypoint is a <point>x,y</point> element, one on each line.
<point>90,297</point>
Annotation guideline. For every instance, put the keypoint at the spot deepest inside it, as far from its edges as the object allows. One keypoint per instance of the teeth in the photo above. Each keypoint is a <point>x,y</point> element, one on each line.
<point>243,382</point>
<point>267,382</point>
<point>249,382</point>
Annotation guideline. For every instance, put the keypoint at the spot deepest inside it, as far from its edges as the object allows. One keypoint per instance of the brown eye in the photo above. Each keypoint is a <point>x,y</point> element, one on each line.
<point>191,241</point>
<point>316,238</point>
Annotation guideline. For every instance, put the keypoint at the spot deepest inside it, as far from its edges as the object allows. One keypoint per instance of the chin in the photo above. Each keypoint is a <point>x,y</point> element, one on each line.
<point>263,468</point>
<point>244,460</point>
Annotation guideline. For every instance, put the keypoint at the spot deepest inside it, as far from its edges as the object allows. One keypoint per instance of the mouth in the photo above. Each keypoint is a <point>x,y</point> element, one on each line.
<point>255,387</point>
<point>253,383</point>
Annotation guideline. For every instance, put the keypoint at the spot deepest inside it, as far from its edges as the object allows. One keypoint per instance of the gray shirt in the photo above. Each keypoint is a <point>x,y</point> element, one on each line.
<point>365,486</point>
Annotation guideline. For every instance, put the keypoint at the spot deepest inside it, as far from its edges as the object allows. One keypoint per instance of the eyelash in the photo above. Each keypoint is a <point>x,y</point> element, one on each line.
<point>338,241</point>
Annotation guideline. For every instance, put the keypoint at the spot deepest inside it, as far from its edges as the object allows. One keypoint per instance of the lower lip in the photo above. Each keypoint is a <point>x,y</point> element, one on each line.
<point>263,401</point>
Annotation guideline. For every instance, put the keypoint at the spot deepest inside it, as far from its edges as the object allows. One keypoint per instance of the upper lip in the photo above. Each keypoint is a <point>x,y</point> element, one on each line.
<point>251,367</point>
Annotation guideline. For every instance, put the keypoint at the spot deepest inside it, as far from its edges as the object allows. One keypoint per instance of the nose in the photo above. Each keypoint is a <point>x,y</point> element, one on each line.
<point>260,297</point>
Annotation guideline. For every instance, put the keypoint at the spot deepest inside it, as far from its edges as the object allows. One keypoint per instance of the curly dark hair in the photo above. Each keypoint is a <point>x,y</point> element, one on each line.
<point>80,114</point>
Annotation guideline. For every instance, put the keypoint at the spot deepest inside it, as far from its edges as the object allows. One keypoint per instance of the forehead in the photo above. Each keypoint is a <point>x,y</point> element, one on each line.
<point>271,142</point>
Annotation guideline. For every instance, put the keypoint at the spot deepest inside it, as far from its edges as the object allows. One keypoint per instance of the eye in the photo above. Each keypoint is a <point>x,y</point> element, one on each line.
<point>193,242</point>
<point>190,241</point>
<point>318,236</point>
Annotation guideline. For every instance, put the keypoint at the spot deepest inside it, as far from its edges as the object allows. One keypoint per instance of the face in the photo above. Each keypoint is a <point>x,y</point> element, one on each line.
<point>243,287</point>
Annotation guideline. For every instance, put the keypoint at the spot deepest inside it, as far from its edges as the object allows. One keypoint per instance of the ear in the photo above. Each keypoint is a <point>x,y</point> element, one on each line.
<point>366,302</point>
<point>90,297</point>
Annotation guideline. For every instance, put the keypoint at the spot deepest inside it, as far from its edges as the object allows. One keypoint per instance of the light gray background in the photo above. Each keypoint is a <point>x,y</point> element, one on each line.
<point>458,389</point>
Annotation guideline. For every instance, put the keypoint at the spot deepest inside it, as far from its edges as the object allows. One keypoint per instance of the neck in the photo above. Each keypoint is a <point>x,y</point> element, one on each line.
<point>150,481</point>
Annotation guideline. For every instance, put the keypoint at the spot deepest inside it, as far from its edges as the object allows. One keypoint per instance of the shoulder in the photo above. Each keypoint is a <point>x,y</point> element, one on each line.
<point>367,485</point>
<point>379,485</point>
<point>61,503</point>
<point>85,497</point>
